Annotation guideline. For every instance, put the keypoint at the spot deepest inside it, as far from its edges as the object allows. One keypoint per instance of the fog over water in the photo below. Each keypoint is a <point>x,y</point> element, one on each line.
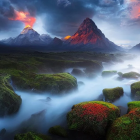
<point>58,106</point>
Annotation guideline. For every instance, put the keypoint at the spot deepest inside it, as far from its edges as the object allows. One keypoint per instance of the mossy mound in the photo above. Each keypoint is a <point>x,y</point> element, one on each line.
<point>135,90</point>
<point>58,130</point>
<point>131,75</point>
<point>133,105</point>
<point>92,117</point>
<point>54,83</point>
<point>108,73</point>
<point>112,94</point>
<point>126,127</point>
<point>31,136</point>
<point>9,101</point>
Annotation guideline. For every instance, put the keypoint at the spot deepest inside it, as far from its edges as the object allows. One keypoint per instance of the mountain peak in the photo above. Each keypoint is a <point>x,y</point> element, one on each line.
<point>88,33</point>
<point>27,29</point>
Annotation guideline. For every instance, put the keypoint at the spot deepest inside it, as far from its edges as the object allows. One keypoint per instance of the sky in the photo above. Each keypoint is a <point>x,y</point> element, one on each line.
<point>119,20</point>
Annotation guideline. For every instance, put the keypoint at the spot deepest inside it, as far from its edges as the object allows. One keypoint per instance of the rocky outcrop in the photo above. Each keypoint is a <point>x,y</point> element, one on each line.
<point>126,127</point>
<point>112,94</point>
<point>9,101</point>
<point>92,117</point>
<point>131,75</point>
<point>54,83</point>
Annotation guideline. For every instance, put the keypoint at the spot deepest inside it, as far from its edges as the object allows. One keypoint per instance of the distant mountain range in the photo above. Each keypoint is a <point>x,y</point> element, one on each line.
<point>88,37</point>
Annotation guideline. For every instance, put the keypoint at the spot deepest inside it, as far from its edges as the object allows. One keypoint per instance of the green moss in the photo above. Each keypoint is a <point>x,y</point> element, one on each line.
<point>92,117</point>
<point>31,136</point>
<point>113,94</point>
<point>24,80</point>
<point>131,75</point>
<point>126,127</point>
<point>133,105</point>
<point>58,130</point>
<point>55,83</point>
<point>9,101</point>
<point>108,73</point>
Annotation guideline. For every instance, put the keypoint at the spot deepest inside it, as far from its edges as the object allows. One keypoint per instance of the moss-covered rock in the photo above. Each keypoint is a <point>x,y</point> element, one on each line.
<point>126,127</point>
<point>133,105</point>
<point>131,75</point>
<point>92,117</point>
<point>54,83</point>
<point>112,94</point>
<point>58,130</point>
<point>108,73</point>
<point>31,136</point>
<point>135,90</point>
<point>9,101</point>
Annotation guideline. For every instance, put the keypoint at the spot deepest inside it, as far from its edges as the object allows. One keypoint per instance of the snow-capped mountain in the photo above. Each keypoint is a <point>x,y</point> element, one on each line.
<point>29,37</point>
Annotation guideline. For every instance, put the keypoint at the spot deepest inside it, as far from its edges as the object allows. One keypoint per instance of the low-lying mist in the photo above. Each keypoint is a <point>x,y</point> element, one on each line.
<point>52,111</point>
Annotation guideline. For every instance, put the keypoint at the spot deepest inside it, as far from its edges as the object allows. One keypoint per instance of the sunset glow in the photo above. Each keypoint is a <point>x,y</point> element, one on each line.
<point>24,17</point>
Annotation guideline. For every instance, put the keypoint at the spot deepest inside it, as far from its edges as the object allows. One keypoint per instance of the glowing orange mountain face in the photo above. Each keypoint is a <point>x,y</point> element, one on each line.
<point>67,37</point>
<point>24,17</point>
<point>87,33</point>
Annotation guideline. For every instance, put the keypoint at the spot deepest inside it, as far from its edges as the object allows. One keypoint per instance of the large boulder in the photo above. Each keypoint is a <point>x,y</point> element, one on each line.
<point>54,83</point>
<point>31,136</point>
<point>108,73</point>
<point>9,100</point>
<point>135,90</point>
<point>112,94</point>
<point>126,127</point>
<point>92,117</point>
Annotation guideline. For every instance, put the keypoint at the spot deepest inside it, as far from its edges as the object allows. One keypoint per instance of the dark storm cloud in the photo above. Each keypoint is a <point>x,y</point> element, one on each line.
<point>6,9</point>
<point>62,17</point>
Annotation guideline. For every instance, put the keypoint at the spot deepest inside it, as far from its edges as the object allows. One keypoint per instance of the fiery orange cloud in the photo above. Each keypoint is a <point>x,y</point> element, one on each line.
<point>135,12</point>
<point>67,37</point>
<point>24,17</point>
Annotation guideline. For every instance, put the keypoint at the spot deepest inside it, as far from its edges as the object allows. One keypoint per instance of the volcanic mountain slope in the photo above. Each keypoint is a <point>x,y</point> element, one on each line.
<point>29,37</point>
<point>90,37</point>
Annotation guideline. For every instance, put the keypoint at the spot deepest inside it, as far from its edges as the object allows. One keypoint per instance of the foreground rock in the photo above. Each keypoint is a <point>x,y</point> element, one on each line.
<point>135,90</point>
<point>112,94</point>
<point>126,127</point>
<point>58,130</point>
<point>108,73</point>
<point>54,83</point>
<point>92,117</point>
<point>9,100</point>
<point>31,136</point>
